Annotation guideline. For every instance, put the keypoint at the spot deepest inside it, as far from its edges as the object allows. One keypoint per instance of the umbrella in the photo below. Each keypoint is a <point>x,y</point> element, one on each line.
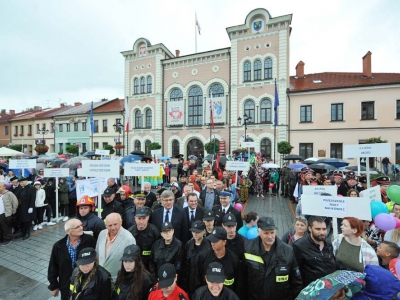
<point>4,151</point>
<point>40,166</point>
<point>33,157</point>
<point>74,162</point>
<point>293,157</point>
<point>297,167</point>
<point>90,153</point>
<point>44,159</point>
<point>138,152</point>
<point>178,156</point>
<point>311,159</point>
<point>270,166</point>
<point>164,158</point>
<point>3,166</point>
<point>193,157</point>
<point>129,159</point>
<point>56,162</point>
<point>337,163</point>
<point>146,158</point>
<point>354,168</point>
<point>322,166</point>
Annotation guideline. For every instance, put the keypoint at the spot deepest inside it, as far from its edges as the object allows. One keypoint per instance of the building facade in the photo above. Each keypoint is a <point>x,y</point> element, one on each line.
<point>170,96</point>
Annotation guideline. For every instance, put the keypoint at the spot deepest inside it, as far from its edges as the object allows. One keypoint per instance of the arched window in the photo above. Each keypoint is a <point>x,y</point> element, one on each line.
<point>268,68</point>
<point>175,148</point>
<point>265,147</point>
<point>149,84</point>
<point>216,90</point>
<point>149,117</point>
<point>142,85</point>
<point>266,111</point>
<point>257,70</point>
<point>249,110</point>
<point>147,151</point>
<point>136,86</point>
<point>176,95</point>
<point>247,71</point>
<point>138,145</point>
<point>138,119</point>
<point>195,106</point>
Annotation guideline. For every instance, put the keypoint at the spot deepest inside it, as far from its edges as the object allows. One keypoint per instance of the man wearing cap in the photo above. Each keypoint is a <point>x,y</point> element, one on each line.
<point>92,224</point>
<point>219,253</point>
<point>209,220</point>
<point>139,199</point>
<point>150,196</point>
<point>384,182</point>
<point>167,289</point>
<point>188,277</point>
<point>337,177</point>
<point>8,207</point>
<point>171,213</point>
<point>271,268</point>
<point>183,181</point>
<point>109,204</point>
<point>175,189</point>
<point>27,198</point>
<point>362,181</point>
<point>209,196</point>
<point>145,233</point>
<point>351,183</point>
<point>166,250</point>
<point>225,208</point>
<point>111,244</point>
<point>63,257</point>
<point>214,289</point>
<point>235,242</point>
<point>193,211</point>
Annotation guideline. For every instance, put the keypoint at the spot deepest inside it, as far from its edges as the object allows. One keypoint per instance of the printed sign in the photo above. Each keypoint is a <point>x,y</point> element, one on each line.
<point>100,168</point>
<point>337,207</point>
<point>319,189</point>
<point>156,152</point>
<point>248,144</point>
<point>237,165</point>
<point>175,112</point>
<point>219,110</point>
<point>56,172</point>
<point>22,163</point>
<point>90,187</point>
<point>367,150</point>
<point>374,193</point>
<point>102,152</point>
<point>138,169</point>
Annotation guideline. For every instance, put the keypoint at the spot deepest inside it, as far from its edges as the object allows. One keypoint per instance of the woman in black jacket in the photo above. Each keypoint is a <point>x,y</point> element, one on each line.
<point>134,281</point>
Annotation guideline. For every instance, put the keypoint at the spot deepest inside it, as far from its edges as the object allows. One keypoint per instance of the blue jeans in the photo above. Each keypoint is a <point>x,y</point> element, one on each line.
<point>385,168</point>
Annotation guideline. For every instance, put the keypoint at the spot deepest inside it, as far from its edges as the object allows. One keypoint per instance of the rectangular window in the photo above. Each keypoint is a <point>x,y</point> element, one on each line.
<point>117,121</point>
<point>398,109</point>
<point>367,110</point>
<point>306,150</point>
<point>96,126</point>
<point>60,127</point>
<point>22,130</point>
<point>29,129</point>
<point>105,123</point>
<point>84,147</point>
<point>61,147</point>
<point>68,127</point>
<point>104,144</point>
<point>37,127</point>
<point>305,113</point>
<point>5,130</point>
<point>337,150</point>
<point>51,127</point>
<point>75,126</point>
<point>96,146</point>
<point>16,130</point>
<point>337,112</point>
<point>84,126</point>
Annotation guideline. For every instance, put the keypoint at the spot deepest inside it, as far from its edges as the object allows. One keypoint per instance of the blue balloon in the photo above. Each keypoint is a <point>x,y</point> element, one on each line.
<point>378,207</point>
<point>252,233</point>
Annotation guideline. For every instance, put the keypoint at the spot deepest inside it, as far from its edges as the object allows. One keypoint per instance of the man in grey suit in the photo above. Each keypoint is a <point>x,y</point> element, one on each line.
<point>111,244</point>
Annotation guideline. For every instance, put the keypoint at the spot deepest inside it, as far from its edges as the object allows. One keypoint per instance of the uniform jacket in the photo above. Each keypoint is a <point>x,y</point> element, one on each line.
<point>27,197</point>
<point>236,245</point>
<point>108,208</point>
<point>313,263</point>
<point>122,291</point>
<point>112,262</point>
<point>150,199</point>
<point>60,264</point>
<point>219,215</point>
<point>99,287</point>
<point>92,222</point>
<point>162,254</point>
<point>279,279</point>
<point>344,188</point>
<point>202,293</point>
<point>10,203</point>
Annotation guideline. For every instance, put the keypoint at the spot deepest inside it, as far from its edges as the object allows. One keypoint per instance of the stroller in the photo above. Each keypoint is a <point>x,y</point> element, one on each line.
<point>396,171</point>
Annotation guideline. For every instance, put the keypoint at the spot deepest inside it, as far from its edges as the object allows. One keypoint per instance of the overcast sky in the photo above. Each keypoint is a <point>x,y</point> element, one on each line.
<point>55,51</point>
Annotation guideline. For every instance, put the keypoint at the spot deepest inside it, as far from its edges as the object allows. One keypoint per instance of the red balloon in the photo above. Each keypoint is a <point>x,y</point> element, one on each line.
<point>394,266</point>
<point>271,185</point>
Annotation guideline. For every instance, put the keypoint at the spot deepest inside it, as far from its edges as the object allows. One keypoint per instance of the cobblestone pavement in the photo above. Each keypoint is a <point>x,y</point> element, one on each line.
<point>23,264</point>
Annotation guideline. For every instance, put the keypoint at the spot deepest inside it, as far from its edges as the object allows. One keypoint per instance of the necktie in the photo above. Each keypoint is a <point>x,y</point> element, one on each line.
<point>192,216</point>
<point>166,216</point>
<point>223,211</point>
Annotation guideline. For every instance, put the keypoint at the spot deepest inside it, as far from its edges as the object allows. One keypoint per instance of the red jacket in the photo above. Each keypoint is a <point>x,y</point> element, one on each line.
<point>177,294</point>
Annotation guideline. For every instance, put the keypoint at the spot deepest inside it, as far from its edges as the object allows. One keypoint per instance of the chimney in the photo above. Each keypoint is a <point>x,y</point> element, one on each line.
<point>12,112</point>
<point>177,53</point>
<point>367,65</point>
<point>77,103</point>
<point>3,111</point>
<point>37,108</point>
<point>300,70</point>
<point>104,100</point>
<point>62,104</point>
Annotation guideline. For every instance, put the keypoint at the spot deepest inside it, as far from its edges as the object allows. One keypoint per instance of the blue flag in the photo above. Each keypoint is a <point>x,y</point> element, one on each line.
<point>91,119</point>
<point>276,104</point>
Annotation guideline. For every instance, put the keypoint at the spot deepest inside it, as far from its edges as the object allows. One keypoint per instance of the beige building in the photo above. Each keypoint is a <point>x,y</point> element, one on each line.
<point>169,95</point>
<point>332,109</point>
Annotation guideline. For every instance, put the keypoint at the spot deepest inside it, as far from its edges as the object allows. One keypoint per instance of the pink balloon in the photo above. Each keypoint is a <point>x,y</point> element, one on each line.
<point>238,206</point>
<point>385,221</point>
<point>338,195</point>
<point>397,222</point>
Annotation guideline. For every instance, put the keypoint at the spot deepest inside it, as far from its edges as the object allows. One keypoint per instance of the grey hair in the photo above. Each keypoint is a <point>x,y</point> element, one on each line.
<point>166,194</point>
<point>146,183</point>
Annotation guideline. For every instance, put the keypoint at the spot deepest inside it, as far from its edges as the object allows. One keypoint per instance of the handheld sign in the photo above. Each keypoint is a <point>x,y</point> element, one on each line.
<point>22,163</point>
<point>60,172</point>
<point>374,193</point>
<point>319,189</point>
<point>237,165</point>
<point>102,152</point>
<point>142,170</point>
<point>156,152</point>
<point>248,144</point>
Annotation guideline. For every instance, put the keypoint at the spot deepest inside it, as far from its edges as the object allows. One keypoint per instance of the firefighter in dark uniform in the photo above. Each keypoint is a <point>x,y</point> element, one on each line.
<point>225,208</point>
<point>110,204</point>
<point>209,221</point>
<point>139,199</point>
<point>235,242</point>
<point>224,256</point>
<point>271,268</point>
<point>144,233</point>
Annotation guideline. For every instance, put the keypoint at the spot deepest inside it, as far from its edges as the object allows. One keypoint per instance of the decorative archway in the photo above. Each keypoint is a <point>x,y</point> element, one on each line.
<point>195,147</point>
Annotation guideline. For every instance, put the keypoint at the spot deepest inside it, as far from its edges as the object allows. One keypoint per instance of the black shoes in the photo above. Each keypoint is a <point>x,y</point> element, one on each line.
<point>18,235</point>
<point>26,236</point>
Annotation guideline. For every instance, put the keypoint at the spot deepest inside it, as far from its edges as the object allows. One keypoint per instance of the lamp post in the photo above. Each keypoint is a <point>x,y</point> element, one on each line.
<point>246,120</point>
<point>43,131</point>
<point>118,128</point>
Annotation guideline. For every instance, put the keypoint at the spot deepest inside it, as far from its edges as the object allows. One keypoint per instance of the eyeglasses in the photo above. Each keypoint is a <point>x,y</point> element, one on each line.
<point>168,200</point>
<point>77,227</point>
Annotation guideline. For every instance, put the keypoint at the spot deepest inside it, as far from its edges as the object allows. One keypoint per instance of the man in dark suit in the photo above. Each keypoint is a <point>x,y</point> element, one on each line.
<point>193,211</point>
<point>171,213</point>
<point>182,201</point>
<point>225,208</point>
<point>150,196</point>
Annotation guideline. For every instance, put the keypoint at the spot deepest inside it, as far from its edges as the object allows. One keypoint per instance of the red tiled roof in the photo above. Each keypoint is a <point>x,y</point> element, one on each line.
<point>337,80</point>
<point>111,106</point>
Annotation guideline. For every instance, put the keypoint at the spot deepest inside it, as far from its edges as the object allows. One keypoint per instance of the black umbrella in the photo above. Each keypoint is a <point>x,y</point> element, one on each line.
<point>138,152</point>
<point>322,166</point>
<point>355,168</point>
<point>3,166</point>
<point>56,162</point>
<point>90,153</point>
<point>293,157</point>
<point>146,158</point>
<point>336,162</point>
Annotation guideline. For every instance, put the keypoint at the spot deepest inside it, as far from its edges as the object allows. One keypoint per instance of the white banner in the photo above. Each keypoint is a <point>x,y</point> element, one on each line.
<point>56,172</point>
<point>22,163</point>
<point>175,112</point>
<point>219,110</point>
<point>374,193</point>
<point>237,165</point>
<point>138,169</point>
<point>367,150</point>
<point>102,152</point>
<point>319,189</point>
<point>156,152</point>
<point>249,144</point>
<point>90,187</point>
<point>100,168</point>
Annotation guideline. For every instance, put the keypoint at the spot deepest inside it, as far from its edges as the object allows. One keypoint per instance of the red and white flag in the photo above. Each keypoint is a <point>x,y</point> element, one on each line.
<point>197,24</point>
<point>211,112</point>
<point>126,115</point>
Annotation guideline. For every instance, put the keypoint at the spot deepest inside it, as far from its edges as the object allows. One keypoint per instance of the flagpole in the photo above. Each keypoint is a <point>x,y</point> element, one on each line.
<point>92,125</point>
<point>195,33</point>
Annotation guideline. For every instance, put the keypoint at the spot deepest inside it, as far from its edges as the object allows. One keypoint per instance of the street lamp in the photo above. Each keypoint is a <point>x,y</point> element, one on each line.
<point>246,120</point>
<point>43,131</point>
<point>118,128</point>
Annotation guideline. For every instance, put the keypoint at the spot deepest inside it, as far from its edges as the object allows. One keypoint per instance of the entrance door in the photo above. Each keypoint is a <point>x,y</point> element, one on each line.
<point>195,147</point>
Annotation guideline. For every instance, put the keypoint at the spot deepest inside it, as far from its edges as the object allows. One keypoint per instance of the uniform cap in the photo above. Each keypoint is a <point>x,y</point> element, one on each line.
<point>131,252</point>
<point>383,180</point>
<point>139,194</point>
<point>208,215</point>
<point>215,272</point>
<point>166,226</point>
<point>224,194</point>
<point>143,211</point>
<point>86,256</point>
<point>229,220</point>
<point>351,175</point>
<point>219,233</point>
<point>337,173</point>
<point>108,192</point>
<point>266,223</point>
<point>166,275</point>
<point>198,226</point>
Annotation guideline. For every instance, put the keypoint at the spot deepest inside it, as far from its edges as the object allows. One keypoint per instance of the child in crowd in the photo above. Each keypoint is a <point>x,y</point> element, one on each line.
<point>386,251</point>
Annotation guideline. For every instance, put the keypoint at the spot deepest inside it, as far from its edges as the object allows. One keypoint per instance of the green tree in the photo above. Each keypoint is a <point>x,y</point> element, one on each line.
<point>284,147</point>
<point>109,147</point>
<point>375,140</point>
<point>212,147</point>
<point>154,146</point>
<point>72,149</point>
<point>16,147</point>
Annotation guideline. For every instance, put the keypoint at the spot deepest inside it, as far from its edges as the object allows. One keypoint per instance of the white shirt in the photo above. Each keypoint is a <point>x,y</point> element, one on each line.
<point>1,205</point>
<point>169,215</point>
<point>226,208</point>
<point>190,213</point>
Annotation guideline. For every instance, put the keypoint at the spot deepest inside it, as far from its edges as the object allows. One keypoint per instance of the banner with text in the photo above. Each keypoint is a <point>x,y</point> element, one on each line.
<point>138,169</point>
<point>100,168</point>
<point>237,165</point>
<point>175,112</point>
<point>219,110</point>
<point>319,189</point>
<point>374,193</point>
<point>90,187</point>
